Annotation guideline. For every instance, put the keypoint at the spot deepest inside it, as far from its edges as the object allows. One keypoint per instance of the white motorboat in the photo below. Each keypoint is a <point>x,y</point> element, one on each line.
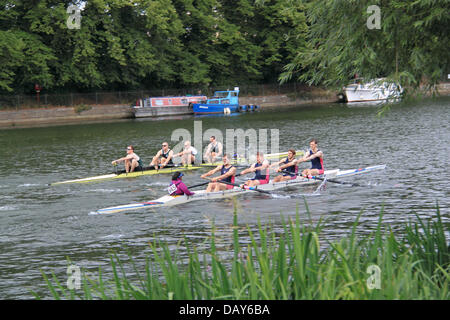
<point>374,90</point>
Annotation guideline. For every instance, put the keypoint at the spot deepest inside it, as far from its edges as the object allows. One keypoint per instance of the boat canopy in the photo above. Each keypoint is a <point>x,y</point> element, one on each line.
<point>225,97</point>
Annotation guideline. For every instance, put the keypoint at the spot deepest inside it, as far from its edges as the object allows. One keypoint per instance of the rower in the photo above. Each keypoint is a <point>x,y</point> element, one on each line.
<point>261,170</point>
<point>214,150</point>
<point>288,165</point>
<point>177,186</point>
<point>163,157</point>
<point>316,157</point>
<point>132,160</point>
<point>227,173</point>
<point>188,154</point>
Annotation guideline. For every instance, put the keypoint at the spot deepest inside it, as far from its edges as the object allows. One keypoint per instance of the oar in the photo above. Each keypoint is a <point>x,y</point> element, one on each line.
<point>215,166</point>
<point>322,179</point>
<point>240,186</point>
<point>352,184</point>
<point>205,183</point>
<point>198,185</point>
<point>189,187</point>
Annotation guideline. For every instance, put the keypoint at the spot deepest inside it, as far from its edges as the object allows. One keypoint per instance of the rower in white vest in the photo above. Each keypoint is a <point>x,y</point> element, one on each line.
<point>132,160</point>
<point>188,154</point>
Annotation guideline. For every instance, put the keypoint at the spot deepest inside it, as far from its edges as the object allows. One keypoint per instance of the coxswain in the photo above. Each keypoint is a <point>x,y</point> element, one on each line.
<point>132,160</point>
<point>261,170</point>
<point>227,174</point>
<point>163,157</point>
<point>177,186</point>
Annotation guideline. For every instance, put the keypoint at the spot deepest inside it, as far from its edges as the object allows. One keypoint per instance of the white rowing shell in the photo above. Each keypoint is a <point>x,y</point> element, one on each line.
<point>203,195</point>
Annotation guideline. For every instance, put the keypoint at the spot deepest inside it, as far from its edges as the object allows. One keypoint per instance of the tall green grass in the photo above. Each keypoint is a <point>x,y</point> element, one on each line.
<point>290,265</point>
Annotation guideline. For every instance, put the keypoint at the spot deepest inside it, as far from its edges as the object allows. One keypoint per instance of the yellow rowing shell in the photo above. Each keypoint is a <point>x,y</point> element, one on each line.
<point>161,171</point>
<point>127,175</point>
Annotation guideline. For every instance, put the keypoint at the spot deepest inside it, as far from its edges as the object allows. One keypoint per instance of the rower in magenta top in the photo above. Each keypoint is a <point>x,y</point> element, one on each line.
<point>177,186</point>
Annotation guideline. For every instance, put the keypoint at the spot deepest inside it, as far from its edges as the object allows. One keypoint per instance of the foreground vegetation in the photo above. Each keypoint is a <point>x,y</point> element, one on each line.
<point>290,265</point>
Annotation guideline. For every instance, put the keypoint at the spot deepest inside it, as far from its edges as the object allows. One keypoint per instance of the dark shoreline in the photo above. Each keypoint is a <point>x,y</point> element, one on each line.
<point>49,116</point>
<point>65,115</point>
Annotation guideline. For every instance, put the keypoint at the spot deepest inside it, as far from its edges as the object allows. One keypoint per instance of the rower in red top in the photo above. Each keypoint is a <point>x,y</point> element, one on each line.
<point>316,157</point>
<point>177,186</point>
<point>261,170</point>
<point>227,173</point>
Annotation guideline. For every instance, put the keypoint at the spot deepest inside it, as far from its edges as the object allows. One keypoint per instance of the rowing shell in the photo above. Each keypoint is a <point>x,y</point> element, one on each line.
<point>166,170</point>
<point>150,171</point>
<point>168,200</point>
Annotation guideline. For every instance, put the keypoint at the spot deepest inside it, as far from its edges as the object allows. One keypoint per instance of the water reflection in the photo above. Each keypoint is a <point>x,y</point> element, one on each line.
<point>41,226</point>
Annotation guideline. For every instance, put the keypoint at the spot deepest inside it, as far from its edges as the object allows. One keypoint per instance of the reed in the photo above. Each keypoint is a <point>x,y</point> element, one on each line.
<point>289,265</point>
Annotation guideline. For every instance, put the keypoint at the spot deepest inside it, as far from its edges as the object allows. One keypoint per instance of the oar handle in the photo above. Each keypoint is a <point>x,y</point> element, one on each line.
<point>236,175</point>
<point>205,183</point>
<point>291,173</point>
<point>237,185</point>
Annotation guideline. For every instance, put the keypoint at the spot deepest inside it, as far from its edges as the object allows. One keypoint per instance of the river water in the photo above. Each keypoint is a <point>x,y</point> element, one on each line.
<point>42,227</point>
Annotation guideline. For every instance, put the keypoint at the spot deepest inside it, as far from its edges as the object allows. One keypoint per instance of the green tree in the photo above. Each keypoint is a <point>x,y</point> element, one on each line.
<point>11,57</point>
<point>411,46</point>
<point>199,20</point>
<point>236,37</point>
<point>24,30</point>
<point>281,34</point>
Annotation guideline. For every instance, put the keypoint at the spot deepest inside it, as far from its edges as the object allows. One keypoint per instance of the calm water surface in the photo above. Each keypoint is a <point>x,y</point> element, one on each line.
<point>41,226</point>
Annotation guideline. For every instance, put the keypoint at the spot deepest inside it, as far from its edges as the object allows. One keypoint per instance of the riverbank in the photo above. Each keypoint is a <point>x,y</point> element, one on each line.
<point>63,115</point>
<point>86,113</point>
<point>90,113</point>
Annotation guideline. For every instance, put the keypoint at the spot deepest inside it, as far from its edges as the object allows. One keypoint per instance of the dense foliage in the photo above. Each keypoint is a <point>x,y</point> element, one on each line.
<point>409,44</point>
<point>124,44</point>
<point>129,44</point>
